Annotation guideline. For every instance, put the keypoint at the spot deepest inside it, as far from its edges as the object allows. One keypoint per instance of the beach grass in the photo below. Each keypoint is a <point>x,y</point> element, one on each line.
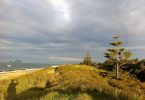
<point>73,82</point>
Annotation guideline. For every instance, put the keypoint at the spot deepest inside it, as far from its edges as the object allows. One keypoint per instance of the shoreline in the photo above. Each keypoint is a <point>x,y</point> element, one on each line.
<point>16,73</point>
<point>27,69</point>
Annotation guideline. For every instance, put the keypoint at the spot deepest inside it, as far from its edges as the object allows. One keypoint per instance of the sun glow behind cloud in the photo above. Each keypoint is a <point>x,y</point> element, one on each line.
<point>63,7</point>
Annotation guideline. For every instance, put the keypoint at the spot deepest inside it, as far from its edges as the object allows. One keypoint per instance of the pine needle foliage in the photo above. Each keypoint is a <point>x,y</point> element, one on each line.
<point>117,54</point>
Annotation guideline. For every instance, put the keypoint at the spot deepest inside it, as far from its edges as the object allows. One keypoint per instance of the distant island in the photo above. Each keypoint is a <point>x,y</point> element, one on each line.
<point>16,61</point>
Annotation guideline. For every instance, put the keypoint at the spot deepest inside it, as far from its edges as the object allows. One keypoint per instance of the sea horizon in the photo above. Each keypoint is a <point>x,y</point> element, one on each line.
<point>7,66</point>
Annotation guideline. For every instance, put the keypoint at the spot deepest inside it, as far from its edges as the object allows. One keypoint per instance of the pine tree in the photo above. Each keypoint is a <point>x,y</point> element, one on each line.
<point>117,54</point>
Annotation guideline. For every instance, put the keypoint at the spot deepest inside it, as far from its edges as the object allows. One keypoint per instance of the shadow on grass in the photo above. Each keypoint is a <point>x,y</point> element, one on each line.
<point>72,93</point>
<point>94,94</point>
<point>11,91</point>
<point>32,94</point>
<point>38,93</point>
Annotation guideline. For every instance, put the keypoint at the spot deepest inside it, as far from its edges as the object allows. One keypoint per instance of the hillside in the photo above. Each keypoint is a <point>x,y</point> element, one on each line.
<point>71,82</point>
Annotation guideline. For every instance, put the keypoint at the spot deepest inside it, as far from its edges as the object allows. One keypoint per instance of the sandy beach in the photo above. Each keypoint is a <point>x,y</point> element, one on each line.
<point>16,73</point>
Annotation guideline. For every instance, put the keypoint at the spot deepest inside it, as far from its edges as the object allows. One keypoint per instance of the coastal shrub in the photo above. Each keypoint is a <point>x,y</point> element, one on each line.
<point>141,76</point>
<point>88,60</point>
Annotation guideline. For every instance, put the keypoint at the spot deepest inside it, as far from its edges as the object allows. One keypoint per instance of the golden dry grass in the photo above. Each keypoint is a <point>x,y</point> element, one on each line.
<point>74,82</point>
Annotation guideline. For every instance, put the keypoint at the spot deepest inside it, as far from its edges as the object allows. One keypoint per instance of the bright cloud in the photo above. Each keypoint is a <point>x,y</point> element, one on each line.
<point>62,7</point>
<point>65,59</point>
<point>35,30</point>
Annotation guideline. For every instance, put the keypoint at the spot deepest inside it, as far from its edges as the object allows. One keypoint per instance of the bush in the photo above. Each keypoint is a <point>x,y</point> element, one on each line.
<point>88,61</point>
<point>141,76</point>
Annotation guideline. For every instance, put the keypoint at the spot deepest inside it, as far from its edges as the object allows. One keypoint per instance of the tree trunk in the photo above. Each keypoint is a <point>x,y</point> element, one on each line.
<point>117,71</point>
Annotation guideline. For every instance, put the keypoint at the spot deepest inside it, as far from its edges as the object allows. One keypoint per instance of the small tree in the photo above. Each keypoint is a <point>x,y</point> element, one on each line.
<point>117,54</point>
<point>88,60</point>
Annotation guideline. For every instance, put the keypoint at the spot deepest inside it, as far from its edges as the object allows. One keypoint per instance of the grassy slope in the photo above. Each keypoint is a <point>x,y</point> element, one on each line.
<point>74,82</point>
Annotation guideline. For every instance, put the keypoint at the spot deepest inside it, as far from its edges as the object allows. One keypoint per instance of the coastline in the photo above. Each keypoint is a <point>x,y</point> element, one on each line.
<point>16,73</point>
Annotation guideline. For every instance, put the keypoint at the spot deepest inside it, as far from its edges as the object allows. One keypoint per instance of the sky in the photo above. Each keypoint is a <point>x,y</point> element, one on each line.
<point>64,30</point>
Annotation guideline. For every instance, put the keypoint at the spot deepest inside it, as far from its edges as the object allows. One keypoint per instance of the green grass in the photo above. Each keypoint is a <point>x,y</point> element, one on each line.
<point>74,82</point>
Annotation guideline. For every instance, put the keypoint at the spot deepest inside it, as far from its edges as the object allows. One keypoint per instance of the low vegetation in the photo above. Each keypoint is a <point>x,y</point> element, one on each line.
<point>73,82</point>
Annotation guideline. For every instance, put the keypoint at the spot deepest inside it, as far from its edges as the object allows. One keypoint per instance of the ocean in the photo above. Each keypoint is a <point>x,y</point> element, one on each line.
<point>21,66</point>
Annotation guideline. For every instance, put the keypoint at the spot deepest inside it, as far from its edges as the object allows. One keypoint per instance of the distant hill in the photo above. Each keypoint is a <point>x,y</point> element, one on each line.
<point>17,62</point>
<point>73,82</point>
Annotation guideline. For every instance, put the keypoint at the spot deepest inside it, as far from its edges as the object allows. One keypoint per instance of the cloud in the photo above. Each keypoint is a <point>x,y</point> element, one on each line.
<point>35,30</point>
<point>136,48</point>
<point>65,59</point>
